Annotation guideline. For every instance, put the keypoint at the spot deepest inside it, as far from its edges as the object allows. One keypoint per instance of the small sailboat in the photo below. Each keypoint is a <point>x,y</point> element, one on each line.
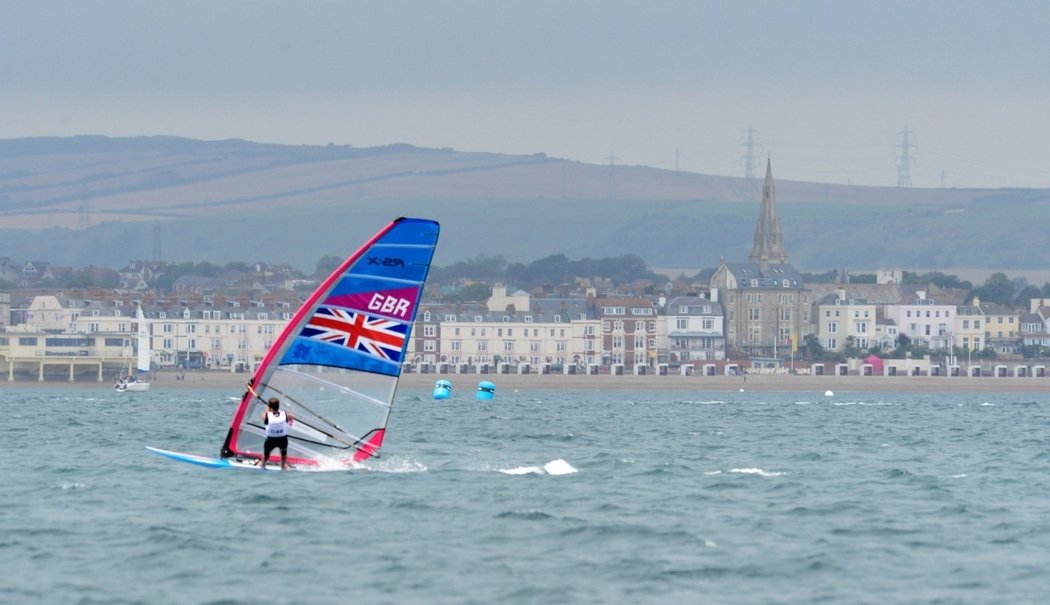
<point>139,380</point>
<point>336,365</point>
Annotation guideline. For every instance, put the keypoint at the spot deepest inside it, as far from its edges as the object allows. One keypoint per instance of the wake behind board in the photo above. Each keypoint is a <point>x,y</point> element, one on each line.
<point>209,462</point>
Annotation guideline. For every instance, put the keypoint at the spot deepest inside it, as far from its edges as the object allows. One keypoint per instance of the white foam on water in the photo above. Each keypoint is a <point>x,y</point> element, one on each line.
<point>396,465</point>
<point>755,471</point>
<point>523,470</point>
<point>554,467</point>
<point>712,472</point>
<point>959,476</point>
<point>559,467</point>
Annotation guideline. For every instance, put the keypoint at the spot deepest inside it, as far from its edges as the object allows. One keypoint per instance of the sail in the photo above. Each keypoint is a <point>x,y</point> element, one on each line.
<point>144,354</point>
<point>336,365</point>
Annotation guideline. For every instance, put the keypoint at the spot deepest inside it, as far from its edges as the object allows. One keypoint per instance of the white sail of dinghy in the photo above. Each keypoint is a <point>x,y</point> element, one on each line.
<point>139,379</point>
<point>145,351</point>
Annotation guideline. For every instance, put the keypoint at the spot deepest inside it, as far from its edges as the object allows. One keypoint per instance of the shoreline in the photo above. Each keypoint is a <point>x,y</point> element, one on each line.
<point>752,382</point>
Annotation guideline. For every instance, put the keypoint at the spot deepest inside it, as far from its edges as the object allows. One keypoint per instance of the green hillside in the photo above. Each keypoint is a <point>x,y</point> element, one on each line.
<point>93,200</point>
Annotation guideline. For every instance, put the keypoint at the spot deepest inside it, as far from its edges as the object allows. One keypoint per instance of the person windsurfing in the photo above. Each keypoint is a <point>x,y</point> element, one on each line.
<point>277,423</point>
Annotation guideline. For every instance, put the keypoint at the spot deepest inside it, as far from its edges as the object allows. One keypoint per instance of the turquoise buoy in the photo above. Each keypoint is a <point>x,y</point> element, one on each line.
<point>486,390</point>
<point>442,389</point>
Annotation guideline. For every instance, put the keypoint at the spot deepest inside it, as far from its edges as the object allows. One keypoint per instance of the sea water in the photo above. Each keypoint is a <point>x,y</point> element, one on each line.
<point>538,497</point>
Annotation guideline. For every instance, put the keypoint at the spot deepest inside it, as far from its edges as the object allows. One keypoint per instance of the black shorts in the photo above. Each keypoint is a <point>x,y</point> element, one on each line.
<point>280,443</point>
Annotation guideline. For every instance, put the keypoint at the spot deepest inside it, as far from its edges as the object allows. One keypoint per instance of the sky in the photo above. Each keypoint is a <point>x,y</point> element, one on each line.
<point>828,88</point>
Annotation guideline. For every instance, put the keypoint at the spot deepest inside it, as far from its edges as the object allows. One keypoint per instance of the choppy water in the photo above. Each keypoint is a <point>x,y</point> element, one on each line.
<point>676,498</point>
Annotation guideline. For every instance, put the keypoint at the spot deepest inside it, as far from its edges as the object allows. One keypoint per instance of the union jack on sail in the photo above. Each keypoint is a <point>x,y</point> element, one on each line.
<point>377,336</point>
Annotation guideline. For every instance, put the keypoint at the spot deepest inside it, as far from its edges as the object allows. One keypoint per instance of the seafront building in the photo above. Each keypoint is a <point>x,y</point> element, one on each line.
<point>695,329</point>
<point>57,337</point>
<point>754,314</point>
<point>842,320</point>
<point>923,318</point>
<point>509,331</point>
<point>767,305</point>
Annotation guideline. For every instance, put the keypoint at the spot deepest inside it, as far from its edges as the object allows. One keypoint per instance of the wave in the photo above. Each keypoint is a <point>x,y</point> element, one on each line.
<point>554,467</point>
<point>755,471</point>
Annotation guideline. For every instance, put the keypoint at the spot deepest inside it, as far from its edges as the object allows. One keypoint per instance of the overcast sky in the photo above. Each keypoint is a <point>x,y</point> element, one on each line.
<point>827,86</point>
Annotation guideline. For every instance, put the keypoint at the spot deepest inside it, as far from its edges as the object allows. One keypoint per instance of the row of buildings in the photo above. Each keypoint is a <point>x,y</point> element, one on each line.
<point>760,310</point>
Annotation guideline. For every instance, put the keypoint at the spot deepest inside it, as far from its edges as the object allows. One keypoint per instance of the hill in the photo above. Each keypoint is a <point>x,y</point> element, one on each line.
<point>99,200</point>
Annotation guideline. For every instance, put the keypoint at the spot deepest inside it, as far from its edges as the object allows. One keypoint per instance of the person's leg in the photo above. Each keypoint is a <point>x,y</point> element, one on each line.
<point>284,454</point>
<point>267,448</point>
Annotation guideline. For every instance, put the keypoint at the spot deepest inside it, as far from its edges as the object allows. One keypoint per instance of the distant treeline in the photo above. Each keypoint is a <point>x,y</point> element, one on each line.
<point>472,279</point>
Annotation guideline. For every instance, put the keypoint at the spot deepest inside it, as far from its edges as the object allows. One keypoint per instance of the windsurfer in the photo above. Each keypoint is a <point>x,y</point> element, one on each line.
<point>277,423</point>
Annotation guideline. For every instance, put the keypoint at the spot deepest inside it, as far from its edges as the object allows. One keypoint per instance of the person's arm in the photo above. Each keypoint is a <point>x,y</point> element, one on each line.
<point>290,418</point>
<point>264,418</point>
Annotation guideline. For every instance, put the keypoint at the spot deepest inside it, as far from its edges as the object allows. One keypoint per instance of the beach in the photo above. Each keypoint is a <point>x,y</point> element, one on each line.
<point>752,382</point>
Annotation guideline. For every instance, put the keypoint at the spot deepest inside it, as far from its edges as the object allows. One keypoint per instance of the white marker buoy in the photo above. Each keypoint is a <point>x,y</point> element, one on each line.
<point>828,394</point>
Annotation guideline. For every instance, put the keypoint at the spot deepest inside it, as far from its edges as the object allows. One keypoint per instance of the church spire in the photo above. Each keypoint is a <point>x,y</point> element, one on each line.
<point>769,241</point>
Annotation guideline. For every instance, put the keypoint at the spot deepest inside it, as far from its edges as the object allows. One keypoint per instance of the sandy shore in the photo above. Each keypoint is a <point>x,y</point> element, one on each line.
<point>817,384</point>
